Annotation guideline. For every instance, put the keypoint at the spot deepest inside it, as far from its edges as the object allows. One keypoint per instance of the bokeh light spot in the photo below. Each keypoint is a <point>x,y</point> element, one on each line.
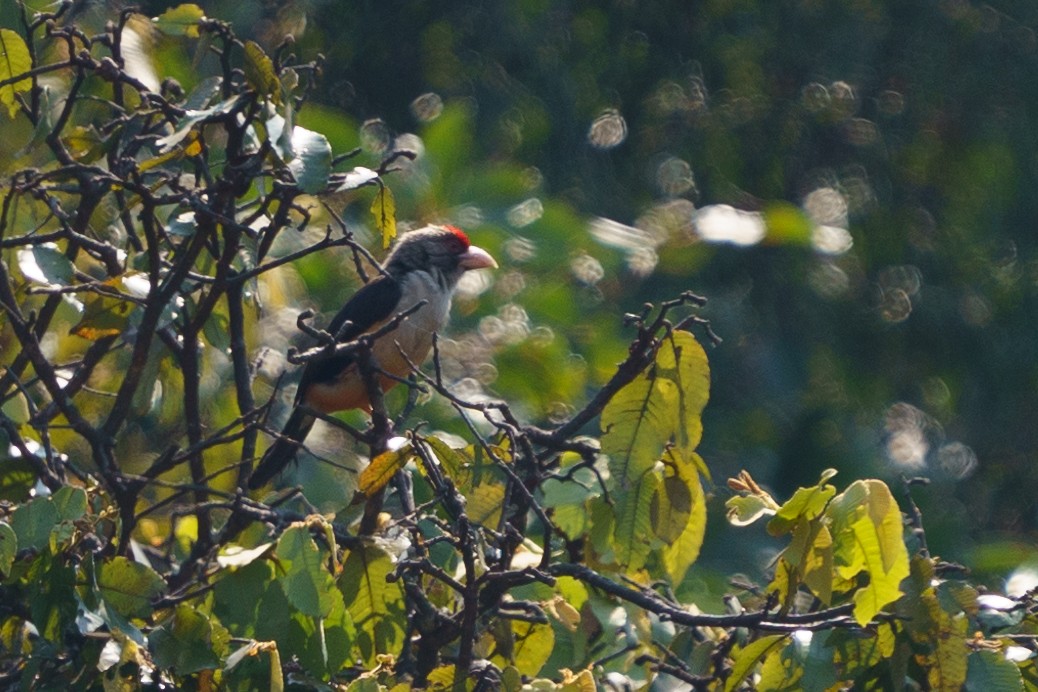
<point>608,130</point>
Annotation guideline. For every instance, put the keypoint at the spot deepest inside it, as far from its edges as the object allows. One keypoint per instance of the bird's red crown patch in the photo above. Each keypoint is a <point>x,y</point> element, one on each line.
<point>459,234</point>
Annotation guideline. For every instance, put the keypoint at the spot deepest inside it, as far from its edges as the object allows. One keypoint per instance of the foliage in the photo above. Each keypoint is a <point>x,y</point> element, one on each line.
<point>146,235</point>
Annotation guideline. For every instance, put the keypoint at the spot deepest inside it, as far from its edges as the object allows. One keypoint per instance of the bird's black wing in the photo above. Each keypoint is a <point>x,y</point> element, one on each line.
<point>375,302</point>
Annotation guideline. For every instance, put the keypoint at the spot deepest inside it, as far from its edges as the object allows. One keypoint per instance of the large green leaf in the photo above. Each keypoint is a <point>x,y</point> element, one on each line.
<point>14,60</point>
<point>375,604</point>
<point>45,264</point>
<point>129,586</point>
<point>632,534</point>
<point>636,425</point>
<point>307,584</point>
<point>189,641</point>
<point>989,670</point>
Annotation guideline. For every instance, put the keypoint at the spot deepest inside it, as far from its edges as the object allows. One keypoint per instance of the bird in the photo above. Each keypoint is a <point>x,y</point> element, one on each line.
<point>424,265</point>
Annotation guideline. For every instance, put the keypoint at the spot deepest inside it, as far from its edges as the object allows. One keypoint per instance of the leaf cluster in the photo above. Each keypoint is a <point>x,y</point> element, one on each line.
<point>142,231</point>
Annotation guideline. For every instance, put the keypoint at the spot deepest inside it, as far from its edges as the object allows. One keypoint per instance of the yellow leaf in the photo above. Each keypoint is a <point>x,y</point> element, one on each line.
<point>534,643</point>
<point>683,550</point>
<point>746,658</point>
<point>682,360</point>
<point>259,72</point>
<point>633,529</point>
<point>194,148</point>
<point>383,208</point>
<point>14,60</point>
<point>380,471</point>
<point>485,503</point>
<point>638,423</point>
<point>868,536</point>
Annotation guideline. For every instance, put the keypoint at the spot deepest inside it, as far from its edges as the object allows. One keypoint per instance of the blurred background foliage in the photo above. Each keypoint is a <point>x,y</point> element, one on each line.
<point>876,290</point>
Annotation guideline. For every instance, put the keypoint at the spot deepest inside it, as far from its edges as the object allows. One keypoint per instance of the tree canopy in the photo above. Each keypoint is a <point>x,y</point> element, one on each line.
<point>739,241</point>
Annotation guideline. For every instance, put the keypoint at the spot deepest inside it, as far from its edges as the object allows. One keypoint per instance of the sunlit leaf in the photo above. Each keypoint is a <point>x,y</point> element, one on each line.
<point>259,72</point>
<point>682,359</point>
<point>455,463</point>
<point>181,20</point>
<point>383,208</point>
<point>868,535</point>
<point>806,503</point>
<point>533,645</point>
<point>746,658</point>
<point>15,59</point>
<point>356,178</point>
<point>45,264</point>
<point>382,468</point>
<point>129,586</point>
<point>376,605</point>
<point>237,556</point>
<point>634,523</point>
<point>637,423</point>
<point>485,504</point>
<point>312,162</point>
<point>85,143</point>
<point>682,551</point>
<point>743,510</point>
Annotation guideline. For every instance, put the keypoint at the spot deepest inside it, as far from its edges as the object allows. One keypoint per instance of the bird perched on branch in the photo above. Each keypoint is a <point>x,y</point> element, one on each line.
<point>423,268</point>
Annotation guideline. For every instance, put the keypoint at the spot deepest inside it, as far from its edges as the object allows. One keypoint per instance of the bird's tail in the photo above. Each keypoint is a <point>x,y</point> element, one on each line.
<point>284,449</point>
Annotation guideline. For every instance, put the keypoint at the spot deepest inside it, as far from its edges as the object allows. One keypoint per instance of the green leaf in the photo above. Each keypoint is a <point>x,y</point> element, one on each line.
<point>988,670</point>
<point>307,585</point>
<point>382,468</point>
<point>533,645</point>
<point>454,462</point>
<point>806,503</point>
<point>743,510</point>
<point>383,208</point>
<point>746,658</point>
<point>375,604</point>
<point>682,359</point>
<point>189,642</point>
<point>181,20</point>
<point>45,264</point>
<point>70,503</point>
<point>14,60</point>
<point>17,478</point>
<point>8,548</point>
<point>631,542</point>
<point>259,72</point>
<point>312,162</point>
<point>636,425</point>
<point>682,552</point>
<point>868,536</point>
<point>33,522</point>
<point>129,586</point>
